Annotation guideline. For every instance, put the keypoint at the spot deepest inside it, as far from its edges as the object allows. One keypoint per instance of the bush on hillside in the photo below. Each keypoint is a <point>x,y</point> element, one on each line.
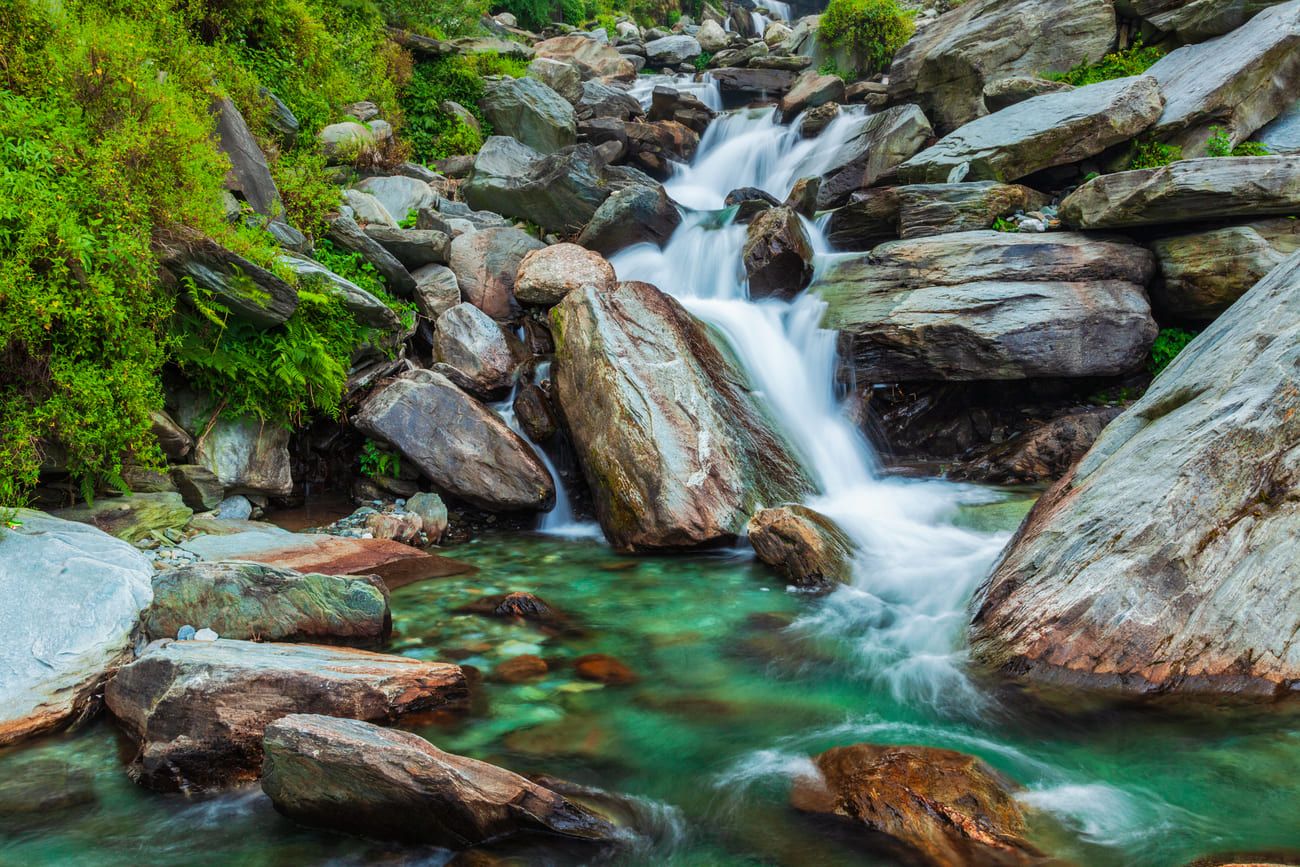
<point>869,31</point>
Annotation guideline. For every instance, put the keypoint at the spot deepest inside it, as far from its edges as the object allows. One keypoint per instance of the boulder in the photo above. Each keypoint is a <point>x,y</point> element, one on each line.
<point>436,289</point>
<point>249,174</point>
<point>803,197</point>
<point>563,78</point>
<point>132,518</point>
<point>676,451</point>
<point>1281,135</point>
<point>247,455</point>
<point>815,120</point>
<point>656,147</point>
<point>72,598</point>
<point>250,292</point>
<point>602,100</point>
<point>531,112</point>
<point>174,440</point>
<point>198,486</point>
<point>671,51</point>
<point>414,248</point>
<point>743,56</point>
<point>343,143</point>
<point>400,195</point>
<point>533,411</point>
<point>547,275</point>
<point>1004,92</point>
<point>457,443</point>
<point>267,603</point>
<point>712,37</point>
<point>1163,563</point>
<point>197,710</point>
<point>777,254</point>
<point>1186,191</point>
<point>485,264</point>
<point>367,308</point>
<point>948,63</point>
<point>885,140</point>
<point>1042,454</point>
<point>470,341</point>
<point>755,82</point>
<point>1203,273</point>
<point>1237,82</point>
<point>637,214</point>
<point>938,807</point>
<point>1196,20</point>
<point>351,776</point>
<point>1054,129</point>
<point>868,218</point>
<point>937,209</point>
<point>344,232</point>
<point>804,546</point>
<point>432,511</point>
<point>749,202</point>
<point>810,90</point>
<point>992,305</point>
<point>594,58</point>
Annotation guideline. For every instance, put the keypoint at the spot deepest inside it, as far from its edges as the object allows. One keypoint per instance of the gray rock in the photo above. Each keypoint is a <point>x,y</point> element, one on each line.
<point>602,100</point>
<point>810,90</point>
<point>1186,191</point>
<point>249,291</point>
<point>1237,82</point>
<point>1042,454</point>
<point>249,175</point>
<point>367,308</point>
<point>199,487</point>
<point>937,209</point>
<point>1054,129</point>
<point>992,305</point>
<point>432,511</point>
<point>436,290</point>
<point>777,255</point>
<point>400,195</point>
<point>637,214</point>
<point>343,142</point>
<point>345,232</point>
<point>414,248</point>
<point>72,597</point>
<point>493,45</point>
<point>247,455</point>
<point>1164,562</point>
<point>1196,20</point>
<point>672,51</point>
<point>815,120</point>
<point>563,78</point>
<point>172,438</point>
<point>134,517</point>
<point>485,264</point>
<point>804,546</point>
<point>547,275</point>
<point>948,63</point>
<point>464,448</point>
<point>757,82</point>
<point>531,112</point>
<point>367,210</point>
<point>712,37</point>
<point>461,113</point>
<point>743,56</point>
<point>280,118</point>
<point>677,452</point>
<point>1005,92</point>
<point>1282,134</point>
<point>472,342</point>
<point>236,508</point>
<point>885,140</point>
<point>868,218</point>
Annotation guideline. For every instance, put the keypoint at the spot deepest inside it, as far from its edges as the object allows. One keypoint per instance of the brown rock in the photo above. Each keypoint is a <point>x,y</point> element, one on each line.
<point>518,669</point>
<point>1043,454</point>
<point>486,262</point>
<point>802,545</point>
<point>655,147</point>
<point>810,90</point>
<point>533,410</point>
<point>777,255</point>
<point>605,669</point>
<point>546,275</point>
<point>404,528</point>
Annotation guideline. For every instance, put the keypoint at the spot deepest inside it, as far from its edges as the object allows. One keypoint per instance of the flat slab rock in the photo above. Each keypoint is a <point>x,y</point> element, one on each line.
<point>198,709</point>
<point>352,776</point>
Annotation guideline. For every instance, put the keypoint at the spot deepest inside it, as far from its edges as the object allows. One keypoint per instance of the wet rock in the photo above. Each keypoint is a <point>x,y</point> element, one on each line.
<point>803,197</point>
<point>655,147</point>
<point>41,787</point>
<point>938,806</point>
<point>345,232</point>
<point>133,517</point>
<point>71,598</point>
<point>1162,562</point>
<point>436,290</point>
<point>638,214</point>
<point>758,82</point>
<point>595,59</point>
<point>804,546</point>
<point>249,175</point>
<point>948,63</point>
<point>563,78</point>
<point>460,445</point>
<point>528,110</point>
<point>1186,191</point>
<point>992,305</point>
<point>249,291</point>
<point>520,669</point>
<point>810,90</point>
<point>869,218</point>
<point>1054,129</point>
<point>601,100</point>
<point>817,119</point>
<point>671,51</point>
<point>359,778</point>
<point>1005,92</point>
<point>676,451</point>
<point>198,709</point>
<point>485,264</point>
<point>432,512</point>
<point>199,487</point>
<point>414,248</point>
<point>749,203</point>
<point>885,140</point>
<point>669,104</point>
<point>400,195</point>
<point>547,275</point>
<point>1045,453</point>
<point>777,254</point>
<point>267,603</point>
<point>533,410</point>
<point>603,668</point>
<point>470,341</point>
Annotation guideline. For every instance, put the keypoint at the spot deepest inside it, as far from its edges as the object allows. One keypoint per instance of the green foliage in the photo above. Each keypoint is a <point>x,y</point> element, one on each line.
<point>610,24</point>
<point>309,196</point>
<point>1151,154</point>
<point>1134,60</point>
<point>1219,144</point>
<point>1251,149</point>
<point>435,134</point>
<point>830,67</point>
<point>409,221</point>
<point>441,18</point>
<point>702,60</point>
<point>871,31</point>
<point>1001,224</point>
<point>354,267</point>
<point>531,14</point>
<point>1169,342</point>
<point>376,461</point>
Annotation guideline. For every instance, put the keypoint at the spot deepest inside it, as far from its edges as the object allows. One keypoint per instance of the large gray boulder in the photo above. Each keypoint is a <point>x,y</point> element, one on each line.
<point>602,100</point>
<point>947,64</point>
<point>637,214</point>
<point>72,597</point>
<point>400,195</point>
<point>1237,82</point>
<point>677,451</point>
<point>528,110</point>
<point>1196,20</point>
<point>461,446</point>
<point>1203,273</point>
<point>197,709</point>
<point>249,174</point>
<point>1187,191</point>
<point>246,454</point>
<point>414,248</point>
<point>485,264</point>
<point>563,78</point>
<point>436,290</point>
<point>352,776</point>
<point>1054,129</point>
<point>992,305</point>
<point>472,343</point>
<point>1281,135</point>
<point>1165,561</point>
<point>886,139</point>
<point>671,51</point>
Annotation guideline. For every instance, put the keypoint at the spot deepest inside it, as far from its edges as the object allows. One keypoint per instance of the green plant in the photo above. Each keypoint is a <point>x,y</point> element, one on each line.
<point>1134,60</point>
<point>434,133</point>
<point>702,60</point>
<point>1168,343</point>
<point>610,25</point>
<point>1219,144</point>
<point>870,31</point>
<point>439,19</point>
<point>377,461</point>
<point>309,196</point>
<point>531,14</point>
<point>354,267</point>
<point>1001,224</point>
<point>1148,153</point>
<point>409,221</point>
<point>830,67</point>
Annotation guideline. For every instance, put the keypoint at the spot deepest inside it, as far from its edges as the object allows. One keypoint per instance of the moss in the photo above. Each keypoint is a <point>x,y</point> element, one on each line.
<point>869,31</point>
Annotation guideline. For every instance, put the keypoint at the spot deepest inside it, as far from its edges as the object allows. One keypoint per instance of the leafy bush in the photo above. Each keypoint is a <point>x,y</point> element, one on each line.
<point>377,461</point>
<point>1169,342</point>
<point>1134,60</point>
<point>441,19</point>
<point>531,14</point>
<point>309,196</point>
<point>871,31</point>
<point>1219,144</point>
<point>1151,154</point>
<point>434,134</point>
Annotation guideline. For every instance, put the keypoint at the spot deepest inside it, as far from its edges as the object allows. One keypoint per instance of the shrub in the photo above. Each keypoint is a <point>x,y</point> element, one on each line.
<point>531,14</point>
<point>376,461</point>
<point>440,19</point>
<point>1219,144</point>
<point>871,31</point>
<point>1134,60</point>
<point>309,196</point>
<point>1151,154</point>
<point>434,134</point>
<point>1169,342</point>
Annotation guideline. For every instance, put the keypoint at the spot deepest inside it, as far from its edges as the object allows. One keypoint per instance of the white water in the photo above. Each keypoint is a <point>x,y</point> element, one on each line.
<point>780,12</point>
<point>905,610</point>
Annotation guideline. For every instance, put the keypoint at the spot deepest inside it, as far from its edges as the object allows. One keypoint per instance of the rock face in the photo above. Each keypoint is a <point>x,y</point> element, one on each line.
<point>528,110</point>
<point>344,231</point>
<point>1003,92</point>
<point>1282,134</point>
<point>198,709</point>
<point>1185,191</point>
<point>946,65</point>
<point>267,603</point>
<point>72,596</point>
<point>1202,273</point>
<point>1164,562</point>
<point>346,775</point>
<point>992,305</point>
<point>460,445</point>
<point>657,146</point>
<point>1237,82</point>
<point>400,195</point>
<point>595,58</point>
<point>485,263</point>
<point>1197,20</point>
<point>886,139</point>
<point>563,78</point>
<point>249,174</point>
<point>638,214</point>
<point>547,275</point>
<point>1043,454</point>
<point>671,51</point>
<point>1054,129</point>
<point>414,248</point>
<point>941,807</point>
<point>777,254</point>
<point>474,345</point>
<point>804,546</point>
<point>677,452</point>
<point>810,90</point>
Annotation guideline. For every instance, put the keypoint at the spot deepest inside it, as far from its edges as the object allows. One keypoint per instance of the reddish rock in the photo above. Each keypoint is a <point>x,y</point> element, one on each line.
<point>518,669</point>
<point>605,669</point>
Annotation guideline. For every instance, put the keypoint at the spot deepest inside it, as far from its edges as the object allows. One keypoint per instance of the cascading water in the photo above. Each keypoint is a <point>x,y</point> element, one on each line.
<point>779,12</point>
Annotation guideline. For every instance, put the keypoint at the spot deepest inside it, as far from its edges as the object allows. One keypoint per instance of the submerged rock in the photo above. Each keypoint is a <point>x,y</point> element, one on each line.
<point>676,450</point>
<point>197,709</point>
<point>1164,562</point>
<point>351,776</point>
<point>70,599</point>
<point>804,546</point>
<point>603,668</point>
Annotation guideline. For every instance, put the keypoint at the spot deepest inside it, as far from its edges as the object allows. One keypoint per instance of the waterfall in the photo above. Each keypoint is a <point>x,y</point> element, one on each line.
<point>779,12</point>
<point>905,610</point>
